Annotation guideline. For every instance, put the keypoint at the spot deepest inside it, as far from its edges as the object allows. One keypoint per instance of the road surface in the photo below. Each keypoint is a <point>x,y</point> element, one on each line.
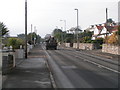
<point>75,69</point>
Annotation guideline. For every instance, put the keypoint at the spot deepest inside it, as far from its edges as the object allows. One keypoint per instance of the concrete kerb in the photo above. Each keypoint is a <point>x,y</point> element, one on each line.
<point>51,76</point>
<point>53,83</point>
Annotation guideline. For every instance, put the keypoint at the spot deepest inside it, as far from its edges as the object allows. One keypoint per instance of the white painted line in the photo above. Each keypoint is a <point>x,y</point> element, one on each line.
<point>101,58</point>
<point>101,66</point>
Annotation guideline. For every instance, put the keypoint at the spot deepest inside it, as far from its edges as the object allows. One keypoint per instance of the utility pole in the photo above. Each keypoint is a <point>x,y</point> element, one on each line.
<point>62,35</point>
<point>31,33</point>
<point>34,34</point>
<point>77,30</point>
<point>26,29</point>
<point>106,24</point>
<point>106,14</point>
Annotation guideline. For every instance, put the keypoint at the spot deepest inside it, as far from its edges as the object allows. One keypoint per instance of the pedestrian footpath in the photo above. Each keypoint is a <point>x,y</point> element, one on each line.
<point>30,73</point>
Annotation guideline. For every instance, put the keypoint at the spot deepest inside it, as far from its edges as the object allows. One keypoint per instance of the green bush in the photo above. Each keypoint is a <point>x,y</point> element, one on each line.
<point>98,40</point>
<point>86,39</point>
<point>15,43</point>
<point>119,30</point>
<point>89,41</point>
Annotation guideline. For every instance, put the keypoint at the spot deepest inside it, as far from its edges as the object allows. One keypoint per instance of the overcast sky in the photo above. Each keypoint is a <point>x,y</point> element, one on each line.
<point>46,14</point>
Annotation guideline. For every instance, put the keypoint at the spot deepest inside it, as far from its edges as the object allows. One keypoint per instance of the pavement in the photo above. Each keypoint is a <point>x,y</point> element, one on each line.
<point>29,73</point>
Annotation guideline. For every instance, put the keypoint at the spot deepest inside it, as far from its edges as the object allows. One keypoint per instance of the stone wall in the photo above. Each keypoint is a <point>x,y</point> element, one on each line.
<point>113,49</point>
<point>74,45</point>
<point>86,46</point>
<point>67,44</point>
<point>19,53</point>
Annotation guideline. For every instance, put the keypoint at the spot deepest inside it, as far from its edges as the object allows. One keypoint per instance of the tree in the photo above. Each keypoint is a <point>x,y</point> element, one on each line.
<point>22,36</point>
<point>58,34</point>
<point>33,38</point>
<point>99,40</point>
<point>110,20</point>
<point>85,36</point>
<point>55,31</point>
<point>112,39</point>
<point>3,29</point>
<point>69,38</point>
<point>118,35</point>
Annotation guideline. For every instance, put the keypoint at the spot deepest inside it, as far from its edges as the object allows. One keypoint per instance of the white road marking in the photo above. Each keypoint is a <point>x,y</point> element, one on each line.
<point>101,66</point>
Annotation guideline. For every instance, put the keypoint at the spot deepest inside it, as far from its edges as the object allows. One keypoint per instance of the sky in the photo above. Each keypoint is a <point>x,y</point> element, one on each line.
<point>45,15</point>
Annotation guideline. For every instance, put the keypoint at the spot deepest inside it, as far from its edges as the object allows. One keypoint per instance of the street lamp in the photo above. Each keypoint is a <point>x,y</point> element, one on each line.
<point>62,35</point>
<point>64,25</point>
<point>77,29</point>
<point>26,29</point>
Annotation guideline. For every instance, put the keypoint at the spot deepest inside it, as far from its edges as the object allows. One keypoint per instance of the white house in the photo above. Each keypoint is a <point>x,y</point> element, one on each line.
<point>102,30</point>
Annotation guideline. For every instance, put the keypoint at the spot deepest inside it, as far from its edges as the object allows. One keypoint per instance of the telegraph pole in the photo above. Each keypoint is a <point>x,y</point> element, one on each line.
<point>77,30</point>
<point>34,34</point>
<point>106,14</point>
<point>106,23</point>
<point>31,33</point>
<point>26,29</point>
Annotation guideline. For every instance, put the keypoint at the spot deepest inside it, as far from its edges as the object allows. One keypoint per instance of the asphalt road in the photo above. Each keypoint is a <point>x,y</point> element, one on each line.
<point>74,69</point>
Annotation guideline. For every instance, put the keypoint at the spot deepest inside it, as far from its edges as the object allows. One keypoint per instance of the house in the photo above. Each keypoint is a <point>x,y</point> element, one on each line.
<point>101,30</point>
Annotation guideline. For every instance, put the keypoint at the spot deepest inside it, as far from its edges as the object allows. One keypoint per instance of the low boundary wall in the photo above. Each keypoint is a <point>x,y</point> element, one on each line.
<point>113,49</point>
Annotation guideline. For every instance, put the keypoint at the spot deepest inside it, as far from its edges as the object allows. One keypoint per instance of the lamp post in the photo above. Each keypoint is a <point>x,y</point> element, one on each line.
<point>26,29</point>
<point>77,29</point>
<point>62,35</point>
<point>64,25</point>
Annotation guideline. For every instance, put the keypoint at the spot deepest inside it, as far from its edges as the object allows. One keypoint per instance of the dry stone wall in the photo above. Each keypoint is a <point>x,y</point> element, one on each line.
<point>113,49</point>
<point>85,46</point>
